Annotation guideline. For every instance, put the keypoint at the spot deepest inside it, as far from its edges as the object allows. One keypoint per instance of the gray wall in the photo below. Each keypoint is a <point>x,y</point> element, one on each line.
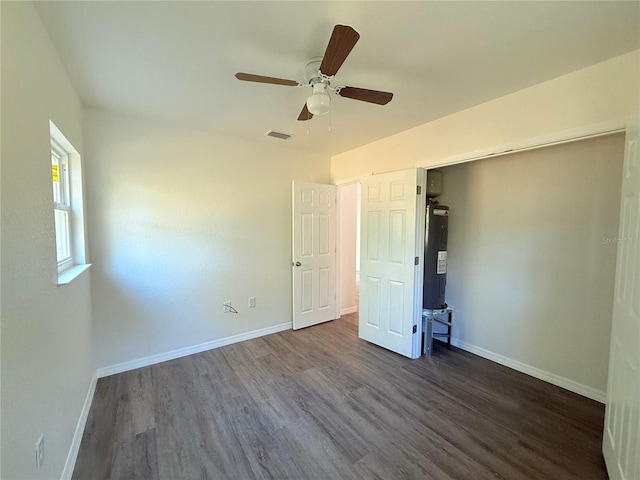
<point>531,274</point>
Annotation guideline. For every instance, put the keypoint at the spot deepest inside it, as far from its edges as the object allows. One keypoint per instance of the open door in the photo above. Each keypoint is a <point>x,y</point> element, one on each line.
<point>391,260</point>
<point>621,439</point>
<point>314,253</point>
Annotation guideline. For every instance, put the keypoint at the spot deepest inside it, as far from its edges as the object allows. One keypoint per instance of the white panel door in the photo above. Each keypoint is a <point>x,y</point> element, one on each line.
<point>314,254</point>
<point>391,238</point>
<point>621,440</point>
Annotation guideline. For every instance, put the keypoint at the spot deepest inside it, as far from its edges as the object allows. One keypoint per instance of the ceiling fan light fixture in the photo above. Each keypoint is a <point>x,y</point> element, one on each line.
<point>319,103</point>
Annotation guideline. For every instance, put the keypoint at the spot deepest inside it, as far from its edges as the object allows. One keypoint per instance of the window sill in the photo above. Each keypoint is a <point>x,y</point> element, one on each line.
<point>72,273</point>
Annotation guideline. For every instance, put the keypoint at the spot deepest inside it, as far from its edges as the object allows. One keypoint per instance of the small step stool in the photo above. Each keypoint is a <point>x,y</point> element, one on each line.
<point>440,315</point>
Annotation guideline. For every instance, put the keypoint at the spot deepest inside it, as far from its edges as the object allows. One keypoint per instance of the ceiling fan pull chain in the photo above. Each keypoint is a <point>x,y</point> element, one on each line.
<point>330,112</point>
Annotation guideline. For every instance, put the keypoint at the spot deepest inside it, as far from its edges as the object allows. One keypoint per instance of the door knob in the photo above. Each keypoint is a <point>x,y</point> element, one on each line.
<point>297,264</point>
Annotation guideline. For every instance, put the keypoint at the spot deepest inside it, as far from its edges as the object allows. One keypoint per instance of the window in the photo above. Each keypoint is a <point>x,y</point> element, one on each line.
<point>61,205</point>
<point>66,176</point>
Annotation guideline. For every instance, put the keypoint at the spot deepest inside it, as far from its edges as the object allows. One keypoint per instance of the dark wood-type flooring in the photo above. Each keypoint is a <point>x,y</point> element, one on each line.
<point>321,404</point>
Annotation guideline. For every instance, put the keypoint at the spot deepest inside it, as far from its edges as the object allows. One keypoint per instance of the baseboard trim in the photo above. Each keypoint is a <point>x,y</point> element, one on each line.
<point>567,384</point>
<point>348,310</point>
<point>183,352</point>
<point>72,456</point>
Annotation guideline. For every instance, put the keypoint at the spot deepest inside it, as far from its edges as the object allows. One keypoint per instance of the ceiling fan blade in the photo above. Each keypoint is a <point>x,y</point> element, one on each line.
<point>371,96</point>
<point>305,114</point>
<point>342,41</point>
<point>249,77</point>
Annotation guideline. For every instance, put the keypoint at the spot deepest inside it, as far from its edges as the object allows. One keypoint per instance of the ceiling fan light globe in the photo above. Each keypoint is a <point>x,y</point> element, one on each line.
<point>319,103</point>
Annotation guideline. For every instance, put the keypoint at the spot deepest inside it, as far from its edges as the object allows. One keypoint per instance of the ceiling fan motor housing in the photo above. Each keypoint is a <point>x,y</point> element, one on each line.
<point>312,70</point>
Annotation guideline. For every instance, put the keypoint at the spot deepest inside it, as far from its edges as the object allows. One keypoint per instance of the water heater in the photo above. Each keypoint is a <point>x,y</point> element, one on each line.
<point>435,256</point>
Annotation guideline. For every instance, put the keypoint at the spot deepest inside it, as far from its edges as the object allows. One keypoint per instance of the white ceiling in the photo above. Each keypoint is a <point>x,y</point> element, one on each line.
<point>175,61</point>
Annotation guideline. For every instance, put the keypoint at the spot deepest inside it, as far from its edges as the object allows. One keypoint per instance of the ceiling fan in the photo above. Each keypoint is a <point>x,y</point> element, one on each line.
<point>319,73</point>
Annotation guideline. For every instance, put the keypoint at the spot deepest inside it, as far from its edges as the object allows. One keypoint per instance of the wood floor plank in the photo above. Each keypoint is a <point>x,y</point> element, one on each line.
<point>319,403</point>
<point>142,400</point>
<point>122,461</point>
<point>98,439</point>
<point>145,455</point>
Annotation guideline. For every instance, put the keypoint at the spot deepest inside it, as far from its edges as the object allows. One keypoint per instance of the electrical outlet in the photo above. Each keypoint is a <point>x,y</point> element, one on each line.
<point>225,306</point>
<point>40,452</point>
<point>252,302</point>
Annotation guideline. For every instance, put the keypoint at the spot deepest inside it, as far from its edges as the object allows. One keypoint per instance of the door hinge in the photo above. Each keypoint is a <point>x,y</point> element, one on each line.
<point>415,329</point>
<point>418,189</point>
<point>416,261</point>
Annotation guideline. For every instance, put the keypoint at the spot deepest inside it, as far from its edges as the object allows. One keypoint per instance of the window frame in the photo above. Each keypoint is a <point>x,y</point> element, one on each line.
<point>68,204</point>
<point>62,203</point>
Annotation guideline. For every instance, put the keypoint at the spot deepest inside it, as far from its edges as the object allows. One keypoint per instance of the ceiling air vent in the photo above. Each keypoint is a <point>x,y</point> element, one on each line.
<point>280,135</point>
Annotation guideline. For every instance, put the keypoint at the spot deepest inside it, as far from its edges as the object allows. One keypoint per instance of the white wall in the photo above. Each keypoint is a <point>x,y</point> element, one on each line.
<point>182,221</point>
<point>348,228</point>
<point>47,362</point>
<point>603,95</point>
<point>529,274</point>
